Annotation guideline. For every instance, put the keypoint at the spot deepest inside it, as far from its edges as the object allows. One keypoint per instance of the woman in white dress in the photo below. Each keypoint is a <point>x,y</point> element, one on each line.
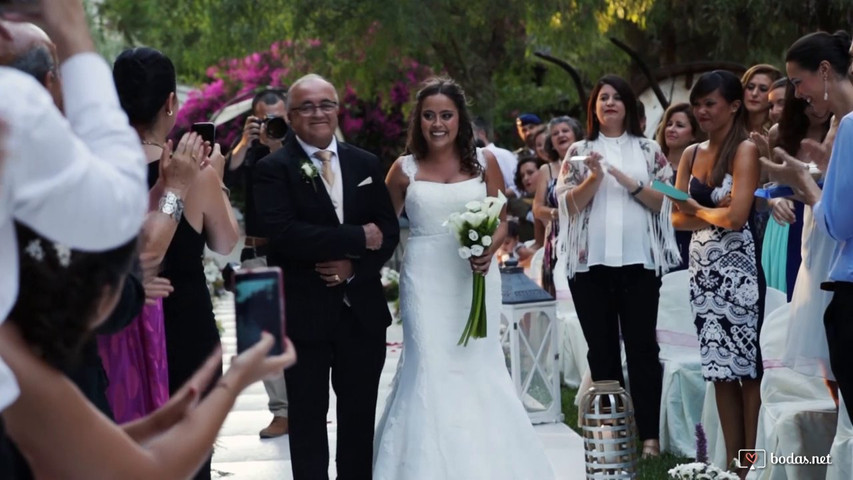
<point>452,412</point>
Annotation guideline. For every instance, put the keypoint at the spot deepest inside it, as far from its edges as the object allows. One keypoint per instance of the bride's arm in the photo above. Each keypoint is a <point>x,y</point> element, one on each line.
<point>397,183</point>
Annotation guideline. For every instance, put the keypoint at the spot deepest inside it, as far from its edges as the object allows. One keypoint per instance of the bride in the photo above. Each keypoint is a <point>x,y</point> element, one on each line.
<point>452,412</point>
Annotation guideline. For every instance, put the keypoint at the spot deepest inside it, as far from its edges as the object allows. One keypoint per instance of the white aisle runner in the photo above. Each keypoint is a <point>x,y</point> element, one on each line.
<point>241,454</point>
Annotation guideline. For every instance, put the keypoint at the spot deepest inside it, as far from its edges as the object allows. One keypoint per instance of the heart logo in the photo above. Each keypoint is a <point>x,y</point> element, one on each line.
<point>750,457</point>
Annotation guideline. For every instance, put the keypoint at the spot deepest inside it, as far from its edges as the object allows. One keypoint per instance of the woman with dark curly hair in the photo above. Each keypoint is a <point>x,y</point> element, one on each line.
<point>443,389</point>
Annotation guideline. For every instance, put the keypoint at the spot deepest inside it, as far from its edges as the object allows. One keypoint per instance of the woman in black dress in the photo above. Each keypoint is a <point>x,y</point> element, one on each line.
<point>204,217</point>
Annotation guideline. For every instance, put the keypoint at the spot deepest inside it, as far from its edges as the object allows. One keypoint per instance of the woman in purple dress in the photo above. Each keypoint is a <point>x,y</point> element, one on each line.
<point>135,358</point>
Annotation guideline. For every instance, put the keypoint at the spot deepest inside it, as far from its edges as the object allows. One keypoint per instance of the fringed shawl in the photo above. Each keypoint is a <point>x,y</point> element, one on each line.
<point>572,240</point>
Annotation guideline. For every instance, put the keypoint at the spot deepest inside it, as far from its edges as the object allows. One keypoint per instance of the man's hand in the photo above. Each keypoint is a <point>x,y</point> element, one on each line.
<point>334,272</point>
<point>271,143</point>
<point>372,237</point>
<point>251,131</point>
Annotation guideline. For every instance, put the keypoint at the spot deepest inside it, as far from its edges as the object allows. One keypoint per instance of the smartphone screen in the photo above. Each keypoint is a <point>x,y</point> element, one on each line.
<point>207,131</point>
<point>259,306</point>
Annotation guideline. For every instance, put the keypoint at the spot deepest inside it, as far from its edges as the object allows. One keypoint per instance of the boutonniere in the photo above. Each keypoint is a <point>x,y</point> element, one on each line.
<point>309,172</point>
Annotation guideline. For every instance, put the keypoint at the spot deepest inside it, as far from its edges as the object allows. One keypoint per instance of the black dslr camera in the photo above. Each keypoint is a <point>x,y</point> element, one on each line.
<point>276,127</point>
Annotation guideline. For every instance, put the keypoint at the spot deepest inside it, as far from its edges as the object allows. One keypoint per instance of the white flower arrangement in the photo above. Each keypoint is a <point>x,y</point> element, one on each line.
<point>473,229</point>
<point>213,275</point>
<point>699,471</point>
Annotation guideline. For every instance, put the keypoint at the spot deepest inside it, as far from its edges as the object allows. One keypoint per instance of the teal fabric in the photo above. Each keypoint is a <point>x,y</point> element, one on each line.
<point>774,255</point>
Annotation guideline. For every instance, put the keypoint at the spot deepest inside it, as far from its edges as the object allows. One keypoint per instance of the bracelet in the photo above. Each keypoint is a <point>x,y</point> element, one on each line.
<point>226,191</point>
<point>638,189</point>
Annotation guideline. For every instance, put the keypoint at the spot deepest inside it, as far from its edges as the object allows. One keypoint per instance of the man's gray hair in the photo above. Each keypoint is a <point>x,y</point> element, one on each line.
<point>307,78</point>
<point>37,62</point>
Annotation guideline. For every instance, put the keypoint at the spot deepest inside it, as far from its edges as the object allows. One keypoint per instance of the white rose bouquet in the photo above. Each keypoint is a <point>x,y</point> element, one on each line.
<point>473,229</point>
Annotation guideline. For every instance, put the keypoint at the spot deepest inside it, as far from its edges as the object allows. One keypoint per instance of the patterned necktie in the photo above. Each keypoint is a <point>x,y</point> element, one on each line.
<point>328,174</point>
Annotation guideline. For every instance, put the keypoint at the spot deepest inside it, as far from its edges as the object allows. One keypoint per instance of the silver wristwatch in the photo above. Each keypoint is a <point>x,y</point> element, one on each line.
<point>172,205</point>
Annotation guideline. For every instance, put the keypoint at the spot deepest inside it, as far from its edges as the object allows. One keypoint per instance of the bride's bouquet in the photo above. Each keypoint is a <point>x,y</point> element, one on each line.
<point>473,229</point>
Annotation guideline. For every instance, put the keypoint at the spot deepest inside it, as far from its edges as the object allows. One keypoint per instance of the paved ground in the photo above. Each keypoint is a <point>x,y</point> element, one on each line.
<point>241,454</point>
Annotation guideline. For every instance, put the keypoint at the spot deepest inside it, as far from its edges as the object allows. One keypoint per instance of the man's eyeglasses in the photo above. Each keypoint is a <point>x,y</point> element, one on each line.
<point>308,109</point>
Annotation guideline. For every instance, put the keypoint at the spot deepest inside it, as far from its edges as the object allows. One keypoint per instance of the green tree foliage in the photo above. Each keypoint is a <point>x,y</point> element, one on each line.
<point>486,45</point>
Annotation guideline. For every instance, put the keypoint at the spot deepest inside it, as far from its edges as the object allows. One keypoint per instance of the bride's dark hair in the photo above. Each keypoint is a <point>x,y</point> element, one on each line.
<point>417,144</point>
<point>60,291</point>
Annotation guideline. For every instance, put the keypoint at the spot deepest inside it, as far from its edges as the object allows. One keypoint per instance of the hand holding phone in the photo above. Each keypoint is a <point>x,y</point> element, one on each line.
<point>207,131</point>
<point>259,307</point>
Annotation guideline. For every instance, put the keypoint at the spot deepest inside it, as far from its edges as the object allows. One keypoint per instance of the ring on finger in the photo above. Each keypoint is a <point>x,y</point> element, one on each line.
<point>337,278</point>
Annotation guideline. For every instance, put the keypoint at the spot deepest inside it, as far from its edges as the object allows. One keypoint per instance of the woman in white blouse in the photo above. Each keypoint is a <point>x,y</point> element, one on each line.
<point>616,239</point>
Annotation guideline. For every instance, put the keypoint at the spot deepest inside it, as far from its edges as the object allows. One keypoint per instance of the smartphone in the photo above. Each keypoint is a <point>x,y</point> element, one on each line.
<point>207,131</point>
<point>259,307</point>
<point>578,158</point>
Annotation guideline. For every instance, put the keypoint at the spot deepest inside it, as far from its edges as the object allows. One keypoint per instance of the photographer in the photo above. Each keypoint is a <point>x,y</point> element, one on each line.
<point>262,134</point>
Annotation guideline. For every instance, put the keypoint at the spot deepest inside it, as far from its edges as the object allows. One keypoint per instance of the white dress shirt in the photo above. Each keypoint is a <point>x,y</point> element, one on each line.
<point>618,221</point>
<point>80,181</point>
<point>336,191</point>
<point>508,163</point>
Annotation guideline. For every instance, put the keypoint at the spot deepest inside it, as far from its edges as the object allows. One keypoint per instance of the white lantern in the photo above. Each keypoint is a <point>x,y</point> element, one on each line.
<point>530,340</point>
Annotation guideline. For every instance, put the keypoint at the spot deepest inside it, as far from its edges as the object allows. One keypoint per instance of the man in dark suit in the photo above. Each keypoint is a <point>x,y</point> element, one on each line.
<point>331,227</point>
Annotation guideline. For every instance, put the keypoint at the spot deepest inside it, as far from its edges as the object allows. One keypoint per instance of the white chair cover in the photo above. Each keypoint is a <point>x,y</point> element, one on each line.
<point>683,387</point>
<point>842,447</point>
<point>534,271</point>
<point>797,414</point>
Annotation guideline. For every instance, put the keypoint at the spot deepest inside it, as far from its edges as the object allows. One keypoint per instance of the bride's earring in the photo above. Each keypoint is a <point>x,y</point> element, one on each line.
<point>825,92</point>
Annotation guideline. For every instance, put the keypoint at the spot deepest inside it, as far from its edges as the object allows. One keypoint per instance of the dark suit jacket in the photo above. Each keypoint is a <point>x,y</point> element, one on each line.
<point>300,221</point>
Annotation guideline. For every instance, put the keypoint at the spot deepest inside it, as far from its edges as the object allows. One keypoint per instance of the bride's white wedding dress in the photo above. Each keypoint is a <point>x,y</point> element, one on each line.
<point>452,412</point>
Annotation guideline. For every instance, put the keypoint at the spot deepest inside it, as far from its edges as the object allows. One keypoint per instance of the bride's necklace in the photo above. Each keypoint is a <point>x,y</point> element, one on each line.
<point>149,142</point>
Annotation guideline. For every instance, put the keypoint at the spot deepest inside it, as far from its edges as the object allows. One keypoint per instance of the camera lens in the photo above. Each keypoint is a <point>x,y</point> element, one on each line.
<point>276,127</point>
